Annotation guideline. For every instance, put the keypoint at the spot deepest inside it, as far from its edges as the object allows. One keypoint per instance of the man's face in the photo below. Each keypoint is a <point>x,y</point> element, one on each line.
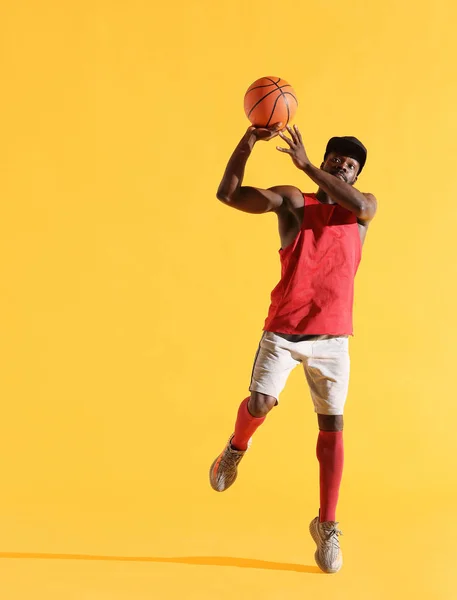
<point>344,167</point>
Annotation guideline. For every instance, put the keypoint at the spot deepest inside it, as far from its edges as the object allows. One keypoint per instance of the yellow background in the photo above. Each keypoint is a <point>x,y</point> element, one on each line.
<point>131,301</point>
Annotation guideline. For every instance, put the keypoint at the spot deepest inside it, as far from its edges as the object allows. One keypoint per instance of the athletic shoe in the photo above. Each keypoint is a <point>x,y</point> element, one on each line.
<point>328,556</point>
<point>224,469</point>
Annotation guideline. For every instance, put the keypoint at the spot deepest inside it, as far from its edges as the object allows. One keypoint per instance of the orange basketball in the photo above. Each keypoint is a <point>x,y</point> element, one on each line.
<point>270,100</point>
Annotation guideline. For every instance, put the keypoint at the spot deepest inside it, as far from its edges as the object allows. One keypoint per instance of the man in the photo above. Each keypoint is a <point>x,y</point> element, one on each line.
<point>310,316</point>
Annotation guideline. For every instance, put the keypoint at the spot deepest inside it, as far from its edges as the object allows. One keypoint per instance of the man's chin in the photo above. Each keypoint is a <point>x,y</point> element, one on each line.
<point>340,177</point>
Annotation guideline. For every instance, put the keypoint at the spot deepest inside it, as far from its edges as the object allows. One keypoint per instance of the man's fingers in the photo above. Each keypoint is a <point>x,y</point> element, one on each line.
<point>292,134</point>
<point>285,138</point>
<point>297,131</point>
<point>285,150</point>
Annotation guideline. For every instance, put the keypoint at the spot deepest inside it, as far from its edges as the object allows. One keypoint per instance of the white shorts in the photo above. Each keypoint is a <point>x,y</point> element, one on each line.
<point>325,361</point>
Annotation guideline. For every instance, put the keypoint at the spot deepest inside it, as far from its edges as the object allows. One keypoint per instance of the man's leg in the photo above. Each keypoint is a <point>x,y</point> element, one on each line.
<point>251,414</point>
<point>272,365</point>
<point>330,454</point>
<point>224,469</point>
<point>327,372</point>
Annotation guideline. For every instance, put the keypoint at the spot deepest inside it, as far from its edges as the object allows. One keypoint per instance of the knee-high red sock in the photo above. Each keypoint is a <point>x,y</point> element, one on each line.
<point>245,426</point>
<point>330,454</point>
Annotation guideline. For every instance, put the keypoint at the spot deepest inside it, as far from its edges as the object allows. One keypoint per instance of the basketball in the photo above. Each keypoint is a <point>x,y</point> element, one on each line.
<point>270,100</point>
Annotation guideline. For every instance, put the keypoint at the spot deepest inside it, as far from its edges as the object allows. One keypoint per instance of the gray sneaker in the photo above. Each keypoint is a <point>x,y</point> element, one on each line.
<point>224,469</point>
<point>328,556</point>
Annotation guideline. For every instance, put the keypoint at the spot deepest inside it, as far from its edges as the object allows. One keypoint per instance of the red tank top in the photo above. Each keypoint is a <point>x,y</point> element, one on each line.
<point>316,291</point>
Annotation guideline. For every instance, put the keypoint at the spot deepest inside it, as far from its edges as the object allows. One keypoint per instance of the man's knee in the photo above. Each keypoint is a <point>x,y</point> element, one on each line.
<point>330,422</point>
<point>260,404</point>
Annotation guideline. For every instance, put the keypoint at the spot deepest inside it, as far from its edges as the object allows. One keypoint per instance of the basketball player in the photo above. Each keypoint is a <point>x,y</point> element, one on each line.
<point>310,316</point>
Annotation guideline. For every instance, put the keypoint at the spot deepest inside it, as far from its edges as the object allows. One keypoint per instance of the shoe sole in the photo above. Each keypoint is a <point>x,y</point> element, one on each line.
<point>315,536</point>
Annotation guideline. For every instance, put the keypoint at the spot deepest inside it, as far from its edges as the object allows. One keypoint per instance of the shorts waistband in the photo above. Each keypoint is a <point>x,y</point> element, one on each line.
<point>293,337</point>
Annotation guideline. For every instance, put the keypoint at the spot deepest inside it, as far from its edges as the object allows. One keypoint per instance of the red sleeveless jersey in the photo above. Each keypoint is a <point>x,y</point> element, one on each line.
<point>316,291</point>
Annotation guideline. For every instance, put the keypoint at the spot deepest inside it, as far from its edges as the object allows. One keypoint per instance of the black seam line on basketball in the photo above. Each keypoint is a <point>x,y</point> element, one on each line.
<point>283,94</point>
<point>285,99</point>
<point>263,98</point>
<point>273,110</point>
<point>275,82</point>
<point>267,85</point>
<point>262,86</point>
<point>278,87</point>
<point>289,94</point>
<point>287,106</point>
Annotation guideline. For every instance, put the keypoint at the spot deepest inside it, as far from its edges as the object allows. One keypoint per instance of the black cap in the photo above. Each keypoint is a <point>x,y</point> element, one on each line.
<point>348,146</point>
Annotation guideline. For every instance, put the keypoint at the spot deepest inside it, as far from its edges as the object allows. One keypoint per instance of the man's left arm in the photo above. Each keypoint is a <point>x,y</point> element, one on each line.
<point>362,205</point>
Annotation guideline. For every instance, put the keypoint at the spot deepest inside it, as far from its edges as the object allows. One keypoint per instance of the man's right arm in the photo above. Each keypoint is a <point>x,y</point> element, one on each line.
<point>246,198</point>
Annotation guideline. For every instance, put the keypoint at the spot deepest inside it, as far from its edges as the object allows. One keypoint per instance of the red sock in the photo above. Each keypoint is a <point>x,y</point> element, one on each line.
<point>330,453</point>
<point>245,426</point>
